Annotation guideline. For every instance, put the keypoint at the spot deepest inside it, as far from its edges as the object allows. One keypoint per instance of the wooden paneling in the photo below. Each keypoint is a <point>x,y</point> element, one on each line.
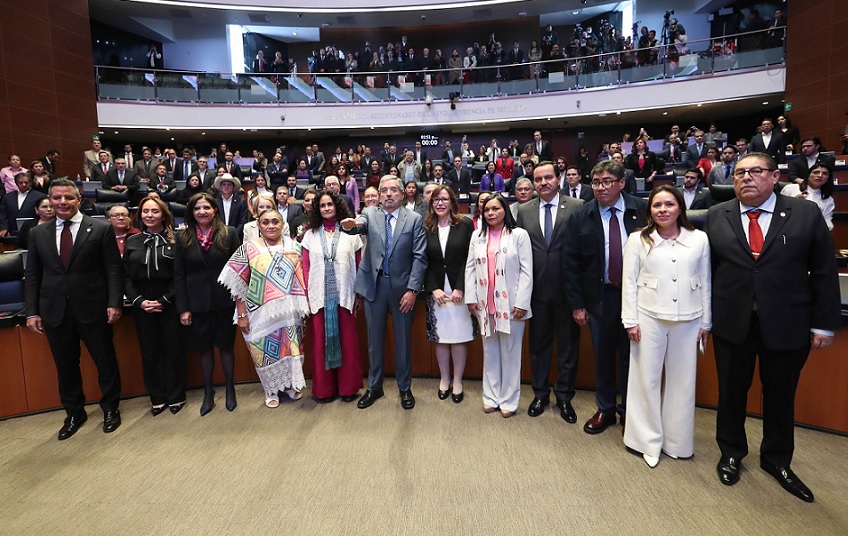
<point>12,386</point>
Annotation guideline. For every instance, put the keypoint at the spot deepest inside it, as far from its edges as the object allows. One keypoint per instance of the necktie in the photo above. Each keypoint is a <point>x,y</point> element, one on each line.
<point>105,168</point>
<point>755,232</point>
<point>549,223</point>
<point>614,268</point>
<point>388,244</point>
<point>573,192</point>
<point>128,158</point>
<point>66,244</point>
<point>186,171</point>
<point>727,171</point>
<point>146,167</point>
<point>121,177</point>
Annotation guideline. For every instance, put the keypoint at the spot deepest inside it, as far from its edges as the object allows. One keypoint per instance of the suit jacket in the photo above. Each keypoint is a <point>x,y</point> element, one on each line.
<point>651,164</point>
<point>460,183</point>
<point>702,199</point>
<point>546,153</point>
<point>693,156</point>
<point>93,281</point>
<point>168,181</point>
<point>9,212</point>
<point>143,170</point>
<point>407,254</point>
<point>777,147</point>
<point>238,212</point>
<point>276,176</point>
<point>130,180</point>
<point>298,193</point>
<point>49,165</point>
<point>798,167</point>
<point>293,211</point>
<point>196,273</point>
<point>90,160</point>
<point>794,282</point>
<point>679,154</point>
<point>179,173</point>
<point>547,259</point>
<point>583,255</point>
<point>365,162</point>
<point>716,175</point>
<point>420,159</point>
<point>448,156</point>
<point>97,172</point>
<point>452,262</point>
<point>207,179</point>
<point>584,191</point>
<point>235,169</point>
<point>391,160</point>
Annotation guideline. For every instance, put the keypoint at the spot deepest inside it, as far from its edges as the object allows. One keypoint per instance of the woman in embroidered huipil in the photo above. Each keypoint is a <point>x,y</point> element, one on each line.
<point>330,260</point>
<point>498,285</point>
<point>265,278</point>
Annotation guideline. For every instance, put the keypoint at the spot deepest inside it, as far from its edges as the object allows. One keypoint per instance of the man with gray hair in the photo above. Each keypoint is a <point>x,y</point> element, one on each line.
<point>389,278</point>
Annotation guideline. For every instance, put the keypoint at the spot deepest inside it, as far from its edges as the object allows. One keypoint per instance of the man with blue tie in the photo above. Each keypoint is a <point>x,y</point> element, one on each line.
<point>722,172</point>
<point>185,167</point>
<point>120,179</point>
<point>389,278</point>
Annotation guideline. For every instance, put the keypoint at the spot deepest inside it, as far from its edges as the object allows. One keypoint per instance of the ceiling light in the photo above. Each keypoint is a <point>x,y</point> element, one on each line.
<point>765,102</point>
<point>699,104</point>
<point>294,34</point>
<point>665,113</point>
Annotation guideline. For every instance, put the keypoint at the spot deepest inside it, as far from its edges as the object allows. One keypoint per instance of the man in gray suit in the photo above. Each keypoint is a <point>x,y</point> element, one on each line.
<point>389,278</point>
<point>544,218</point>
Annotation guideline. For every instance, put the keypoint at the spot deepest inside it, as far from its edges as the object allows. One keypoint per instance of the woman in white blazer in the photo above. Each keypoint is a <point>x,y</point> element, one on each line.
<point>498,285</point>
<point>665,299</point>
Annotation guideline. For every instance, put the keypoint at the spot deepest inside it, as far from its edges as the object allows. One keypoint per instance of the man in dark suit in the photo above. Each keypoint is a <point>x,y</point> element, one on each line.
<point>74,291</point>
<point>722,172</point>
<point>232,208</point>
<point>769,141</point>
<point>18,204</point>
<point>120,179</point>
<point>295,192</point>
<point>185,167</point>
<point>630,185</point>
<point>389,278</point>
<point>206,176</point>
<point>277,171</point>
<point>260,64</point>
<point>799,168</point>
<point>571,186</point>
<point>160,181</point>
<point>171,162</point>
<point>393,158</point>
<point>696,151</point>
<point>231,166</point>
<point>593,253</point>
<point>673,150</point>
<point>545,220</point>
<point>49,161</point>
<point>98,172</point>
<point>130,158</point>
<point>761,279</point>
<point>541,148</point>
<point>419,155</point>
<point>459,179</point>
<point>694,197</point>
<point>448,153</point>
<point>289,211</point>
<point>366,159</point>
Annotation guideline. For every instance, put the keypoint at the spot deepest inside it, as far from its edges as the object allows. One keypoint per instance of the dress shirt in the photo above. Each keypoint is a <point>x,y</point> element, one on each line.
<point>605,219</point>
<point>554,204</point>
<point>76,220</point>
<point>227,204</point>
<point>689,196</point>
<point>766,139</point>
<point>129,159</point>
<point>812,160</point>
<point>765,218</point>
<point>22,198</point>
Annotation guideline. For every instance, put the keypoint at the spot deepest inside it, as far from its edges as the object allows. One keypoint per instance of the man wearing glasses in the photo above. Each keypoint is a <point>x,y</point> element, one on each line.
<point>776,296</point>
<point>594,248</point>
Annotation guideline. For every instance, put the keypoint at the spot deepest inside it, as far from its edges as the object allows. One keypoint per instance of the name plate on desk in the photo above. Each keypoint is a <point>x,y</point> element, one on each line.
<point>782,166</point>
<point>840,162</point>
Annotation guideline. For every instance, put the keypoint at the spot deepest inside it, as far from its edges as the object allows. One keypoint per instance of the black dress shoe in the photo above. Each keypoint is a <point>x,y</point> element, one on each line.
<point>789,481</point>
<point>349,398</point>
<point>599,423</point>
<point>728,470</point>
<point>369,398</point>
<point>176,407</point>
<point>72,425</point>
<point>457,397</point>
<point>325,400</point>
<point>156,410</point>
<point>231,400</point>
<point>566,411</point>
<point>111,420</point>
<point>407,400</point>
<point>537,407</point>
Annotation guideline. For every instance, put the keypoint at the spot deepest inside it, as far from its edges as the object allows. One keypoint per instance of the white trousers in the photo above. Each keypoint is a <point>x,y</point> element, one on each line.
<point>662,419</point>
<point>502,367</point>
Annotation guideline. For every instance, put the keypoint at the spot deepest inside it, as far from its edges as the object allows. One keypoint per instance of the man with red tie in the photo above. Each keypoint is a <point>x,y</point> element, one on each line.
<point>776,296</point>
<point>231,166</point>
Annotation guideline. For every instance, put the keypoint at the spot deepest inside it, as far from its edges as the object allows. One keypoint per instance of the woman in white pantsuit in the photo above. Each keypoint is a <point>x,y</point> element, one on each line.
<point>666,311</point>
<point>498,285</point>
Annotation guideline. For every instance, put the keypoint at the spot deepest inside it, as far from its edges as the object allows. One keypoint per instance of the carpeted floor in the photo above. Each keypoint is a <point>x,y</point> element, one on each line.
<point>441,468</point>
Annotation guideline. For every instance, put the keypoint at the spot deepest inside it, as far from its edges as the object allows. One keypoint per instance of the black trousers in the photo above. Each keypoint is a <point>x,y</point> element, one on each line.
<point>160,336</point>
<point>64,341</point>
<point>612,348</point>
<point>553,320</point>
<point>779,374</point>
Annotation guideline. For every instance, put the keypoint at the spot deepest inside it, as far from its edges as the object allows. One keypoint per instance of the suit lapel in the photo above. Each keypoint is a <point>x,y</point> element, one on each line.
<point>533,226</point>
<point>779,218</point>
<point>398,229</point>
<point>561,217</point>
<point>83,234</point>
<point>735,221</point>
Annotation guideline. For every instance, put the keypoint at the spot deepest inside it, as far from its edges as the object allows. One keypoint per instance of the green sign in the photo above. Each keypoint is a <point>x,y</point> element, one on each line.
<point>787,107</point>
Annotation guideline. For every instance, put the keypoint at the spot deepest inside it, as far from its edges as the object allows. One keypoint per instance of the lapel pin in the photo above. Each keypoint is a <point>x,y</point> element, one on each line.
<point>88,230</point>
<point>782,213</point>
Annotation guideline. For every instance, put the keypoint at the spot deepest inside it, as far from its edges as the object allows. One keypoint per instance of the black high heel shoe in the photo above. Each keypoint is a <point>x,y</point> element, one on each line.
<point>458,397</point>
<point>208,404</point>
<point>176,407</point>
<point>156,410</point>
<point>444,394</point>
<point>231,400</point>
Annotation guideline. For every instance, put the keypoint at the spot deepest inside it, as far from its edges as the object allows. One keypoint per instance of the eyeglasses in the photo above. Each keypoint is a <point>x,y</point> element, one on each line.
<point>116,216</point>
<point>756,171</point>
<point>606,182</point>
<point>444,201</point>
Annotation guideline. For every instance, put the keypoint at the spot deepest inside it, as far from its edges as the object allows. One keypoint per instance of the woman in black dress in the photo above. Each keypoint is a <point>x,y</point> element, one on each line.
<point>202,250</point>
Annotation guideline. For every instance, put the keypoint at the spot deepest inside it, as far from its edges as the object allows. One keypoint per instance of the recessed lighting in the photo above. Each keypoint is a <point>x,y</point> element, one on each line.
<point>765,102</point>
<point>618,113</point>
<point>116,132</point>
<point>665,113</point>
<point>294,34</point>
<point>575,12</point>
<point>167,128</point>
<point>549,119</point>
<point>699,104</point>
<point>203,134</point>
<point>172,138</point>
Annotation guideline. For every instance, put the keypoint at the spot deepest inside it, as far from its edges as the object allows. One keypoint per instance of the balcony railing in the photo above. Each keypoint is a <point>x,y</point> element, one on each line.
<point>744,51</point>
